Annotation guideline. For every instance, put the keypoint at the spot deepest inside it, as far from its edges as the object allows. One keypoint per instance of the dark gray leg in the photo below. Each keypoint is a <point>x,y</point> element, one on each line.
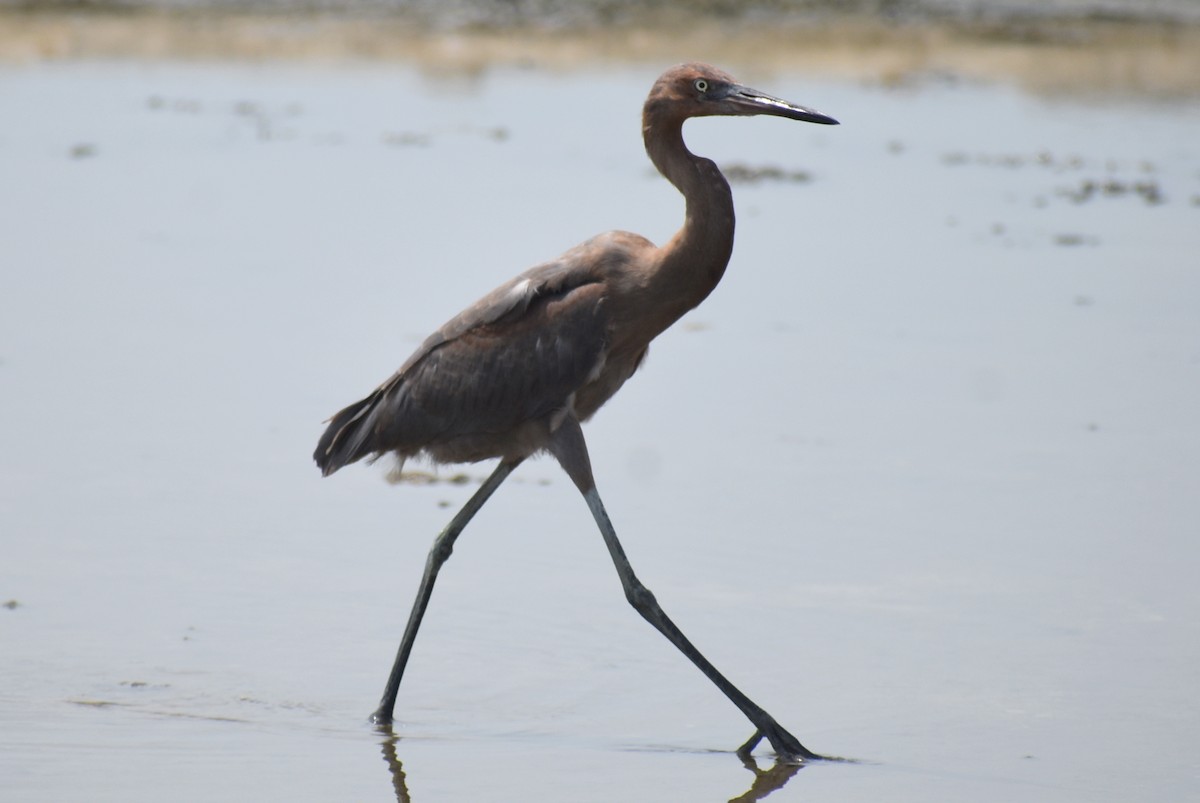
<point>571,451</point>
<point>443,545</point>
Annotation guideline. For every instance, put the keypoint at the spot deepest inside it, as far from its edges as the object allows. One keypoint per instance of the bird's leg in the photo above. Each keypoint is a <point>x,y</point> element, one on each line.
<point>787,746</point>
<point>571,451</point>
<point>443,545</point>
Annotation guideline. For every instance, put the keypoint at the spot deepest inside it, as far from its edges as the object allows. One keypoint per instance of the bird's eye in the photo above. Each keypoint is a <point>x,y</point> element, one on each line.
<point>701,85</point>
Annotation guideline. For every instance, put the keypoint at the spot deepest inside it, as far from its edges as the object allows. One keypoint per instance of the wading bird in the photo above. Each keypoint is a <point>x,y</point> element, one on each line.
<point>517,372</point>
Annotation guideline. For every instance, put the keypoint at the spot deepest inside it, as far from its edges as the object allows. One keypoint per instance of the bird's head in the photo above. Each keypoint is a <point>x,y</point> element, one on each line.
<point>700,90</point>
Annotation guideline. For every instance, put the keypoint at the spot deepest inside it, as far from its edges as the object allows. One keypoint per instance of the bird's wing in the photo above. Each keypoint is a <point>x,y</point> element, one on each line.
<point>508,301</point>
<point>496,374</point>
<point>515,355</point>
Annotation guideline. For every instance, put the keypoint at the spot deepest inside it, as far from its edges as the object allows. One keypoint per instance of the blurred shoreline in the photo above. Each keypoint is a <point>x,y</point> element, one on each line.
<point>1147,56</point>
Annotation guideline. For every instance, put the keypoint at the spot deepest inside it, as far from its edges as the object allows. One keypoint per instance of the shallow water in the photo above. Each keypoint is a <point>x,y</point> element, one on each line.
<point>919,476</point>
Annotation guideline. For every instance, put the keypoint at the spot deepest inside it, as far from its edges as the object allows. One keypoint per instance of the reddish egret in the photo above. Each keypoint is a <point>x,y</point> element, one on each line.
<point>515,373</point>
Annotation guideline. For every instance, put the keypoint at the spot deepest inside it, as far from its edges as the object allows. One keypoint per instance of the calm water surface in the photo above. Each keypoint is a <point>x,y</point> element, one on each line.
<point>920,476</point>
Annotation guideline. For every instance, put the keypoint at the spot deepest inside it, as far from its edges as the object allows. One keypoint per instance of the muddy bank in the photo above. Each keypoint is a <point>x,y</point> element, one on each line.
<point>1145,56</point>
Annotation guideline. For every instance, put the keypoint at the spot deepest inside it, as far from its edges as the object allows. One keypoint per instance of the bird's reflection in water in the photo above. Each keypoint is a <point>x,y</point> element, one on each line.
<point>765,782</point>
<point>399,780</point>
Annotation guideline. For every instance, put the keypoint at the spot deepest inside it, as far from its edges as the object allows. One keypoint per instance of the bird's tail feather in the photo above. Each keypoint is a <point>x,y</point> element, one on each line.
<point>347,439</point>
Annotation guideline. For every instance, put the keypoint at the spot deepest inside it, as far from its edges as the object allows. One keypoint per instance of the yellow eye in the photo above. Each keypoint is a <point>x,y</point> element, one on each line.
<point>701,85</point>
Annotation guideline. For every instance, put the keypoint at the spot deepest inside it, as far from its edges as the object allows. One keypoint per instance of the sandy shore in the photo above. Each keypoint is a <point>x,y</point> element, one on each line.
<point>1156,59</point>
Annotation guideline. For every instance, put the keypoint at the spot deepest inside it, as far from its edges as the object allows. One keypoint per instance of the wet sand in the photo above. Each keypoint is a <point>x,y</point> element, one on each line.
<point>919,476</point>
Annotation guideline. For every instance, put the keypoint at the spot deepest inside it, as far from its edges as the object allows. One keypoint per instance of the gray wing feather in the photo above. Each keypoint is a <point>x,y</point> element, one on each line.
<point>515,355</point>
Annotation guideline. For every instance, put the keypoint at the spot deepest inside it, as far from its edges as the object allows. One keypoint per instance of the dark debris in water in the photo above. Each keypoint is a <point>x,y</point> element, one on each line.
<point>1013,161</point>
<point>417,477</point>
<point>1088,189</point>
<point>158,103</point>
<point>143,684</point>
<point>269,122</point>
<point>421,139</point>
<point>96,703</point>
<point>430,478</point>
<point>406,139</point>
<point>12,604</point>
<point>746,174</point>
<point>1072,239</point>
<point>1143,185</point>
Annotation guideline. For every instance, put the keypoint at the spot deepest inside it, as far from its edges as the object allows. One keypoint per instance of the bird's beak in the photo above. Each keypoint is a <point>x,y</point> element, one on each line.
<point>744,100</point>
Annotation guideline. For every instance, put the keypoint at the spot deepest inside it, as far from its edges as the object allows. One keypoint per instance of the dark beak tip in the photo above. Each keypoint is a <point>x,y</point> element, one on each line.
<point>820,119</point>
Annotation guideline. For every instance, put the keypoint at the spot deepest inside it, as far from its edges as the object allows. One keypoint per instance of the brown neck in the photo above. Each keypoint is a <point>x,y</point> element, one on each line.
<point>694,260</point>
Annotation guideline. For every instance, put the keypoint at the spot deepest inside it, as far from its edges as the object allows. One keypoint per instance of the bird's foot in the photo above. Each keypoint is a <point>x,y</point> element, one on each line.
<point>786,746</point>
